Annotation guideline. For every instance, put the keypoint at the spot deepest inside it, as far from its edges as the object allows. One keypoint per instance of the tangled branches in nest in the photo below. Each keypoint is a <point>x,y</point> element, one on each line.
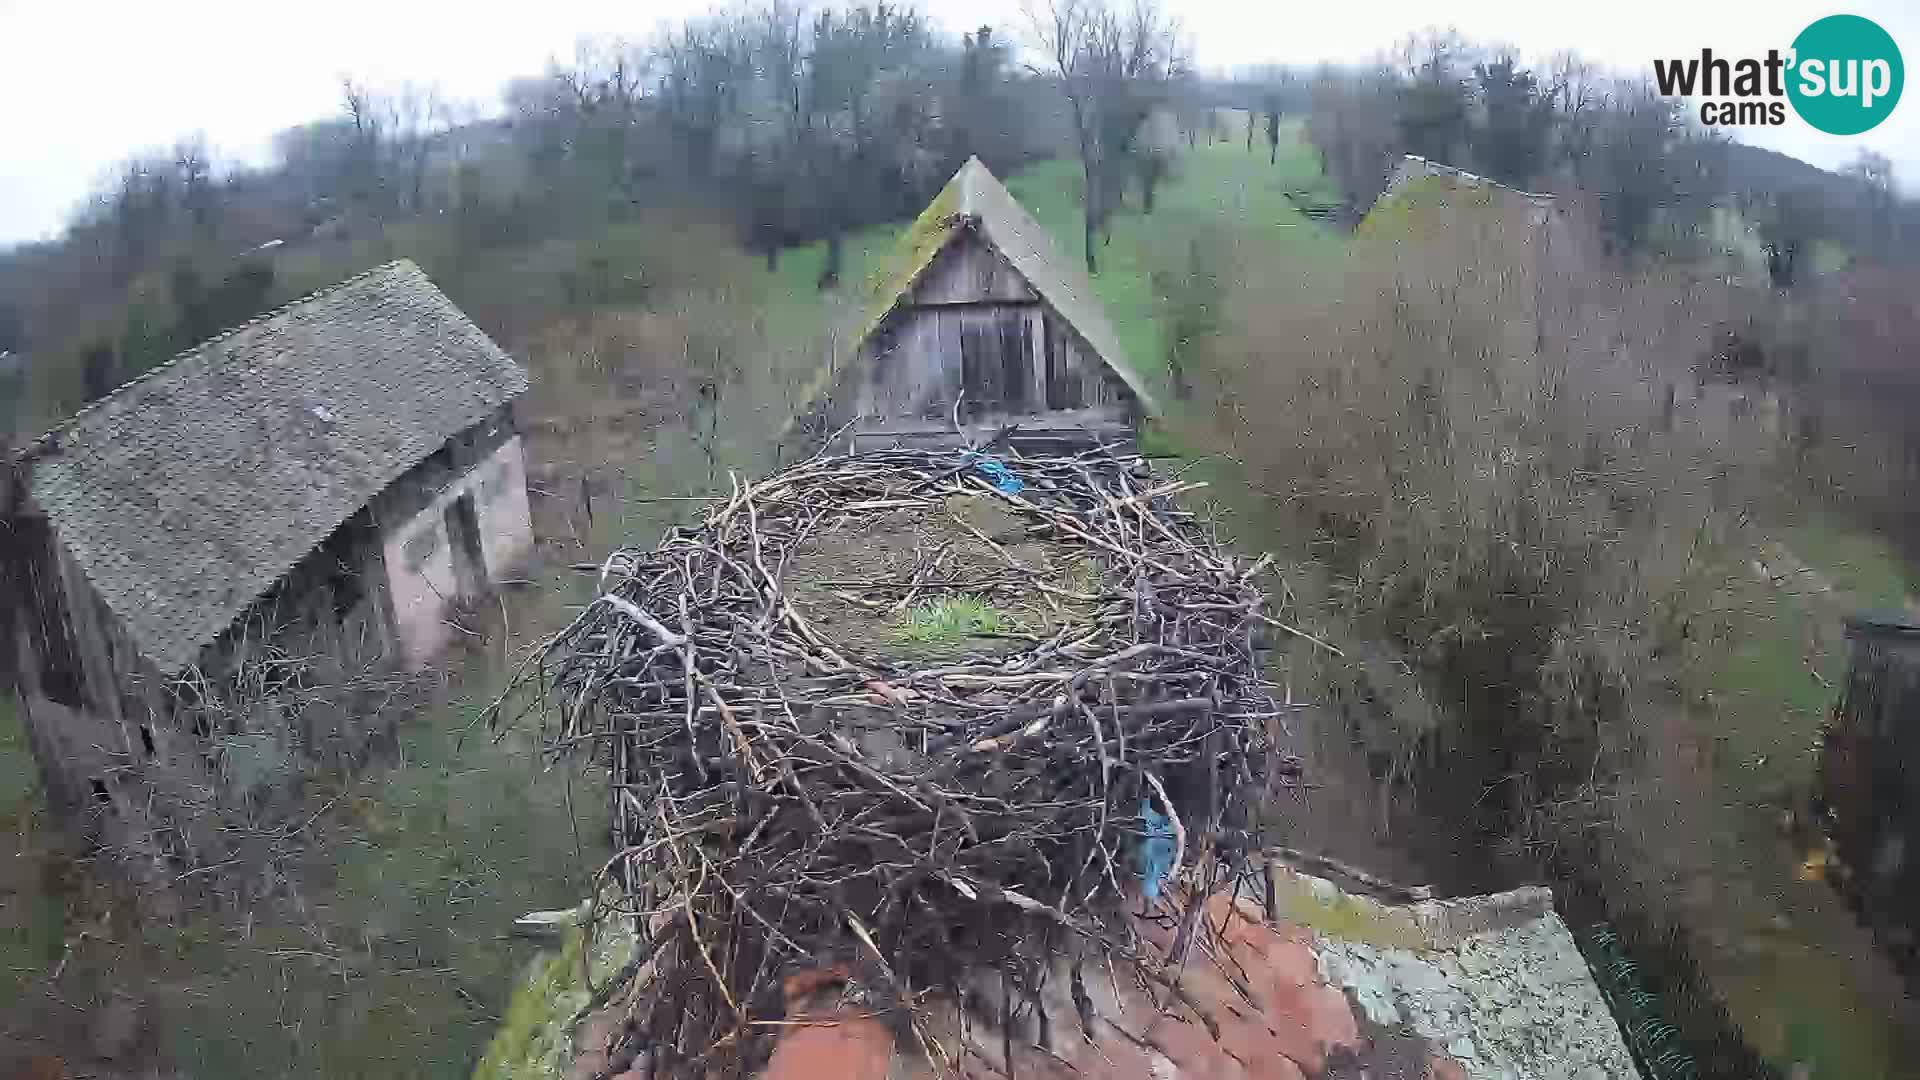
<point>790,793</point>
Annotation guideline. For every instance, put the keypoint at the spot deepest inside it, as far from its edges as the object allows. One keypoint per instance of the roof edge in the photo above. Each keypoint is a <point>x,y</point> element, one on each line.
<point>1120,365</point>
<point>1442,167</point>
<point>37,445</point>
<point>953,226</point>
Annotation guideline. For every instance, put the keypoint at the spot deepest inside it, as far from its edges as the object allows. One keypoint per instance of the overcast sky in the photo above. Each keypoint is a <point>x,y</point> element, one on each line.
<point>84,84</point>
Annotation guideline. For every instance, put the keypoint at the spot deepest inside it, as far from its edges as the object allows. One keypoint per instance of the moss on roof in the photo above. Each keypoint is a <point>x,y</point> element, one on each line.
<point>913,254</point>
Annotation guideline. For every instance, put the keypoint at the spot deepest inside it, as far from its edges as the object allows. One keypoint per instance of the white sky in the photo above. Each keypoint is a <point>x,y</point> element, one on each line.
<point>83,84</point>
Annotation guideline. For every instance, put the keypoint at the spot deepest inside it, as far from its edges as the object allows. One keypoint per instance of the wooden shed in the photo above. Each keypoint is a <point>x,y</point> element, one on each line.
<point>204,573</point>
<point>978,323</point>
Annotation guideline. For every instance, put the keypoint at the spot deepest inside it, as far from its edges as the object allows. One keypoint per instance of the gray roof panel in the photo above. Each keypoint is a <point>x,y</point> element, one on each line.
<point>187,493</point>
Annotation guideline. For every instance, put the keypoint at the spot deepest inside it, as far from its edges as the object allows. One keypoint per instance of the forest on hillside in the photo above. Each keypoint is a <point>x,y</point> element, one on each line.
<point>784,126</point>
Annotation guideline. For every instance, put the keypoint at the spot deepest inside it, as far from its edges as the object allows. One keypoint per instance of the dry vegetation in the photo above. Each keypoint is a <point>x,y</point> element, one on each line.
<point>1525,469</point>
<point>1517,466</point>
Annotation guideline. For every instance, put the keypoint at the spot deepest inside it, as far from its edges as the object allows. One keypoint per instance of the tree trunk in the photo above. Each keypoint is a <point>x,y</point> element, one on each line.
<point>1090,233</point>
<point>1090,220</point>
<point>96,374</point>
<point>830,273</point>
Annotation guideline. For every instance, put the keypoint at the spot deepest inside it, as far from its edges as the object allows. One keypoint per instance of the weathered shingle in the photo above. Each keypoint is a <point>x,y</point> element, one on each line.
<point>187,493</point>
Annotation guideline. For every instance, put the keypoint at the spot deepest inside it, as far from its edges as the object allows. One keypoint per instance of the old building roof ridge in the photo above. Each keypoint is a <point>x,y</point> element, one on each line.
<point>37,445</point>
<point>1478,178</point>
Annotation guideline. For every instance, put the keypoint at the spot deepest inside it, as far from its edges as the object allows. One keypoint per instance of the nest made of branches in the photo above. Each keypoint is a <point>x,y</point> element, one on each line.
<point>785,797</point>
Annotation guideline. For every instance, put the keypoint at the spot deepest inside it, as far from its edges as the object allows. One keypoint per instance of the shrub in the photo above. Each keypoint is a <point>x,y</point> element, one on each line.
<point>1501,453</point>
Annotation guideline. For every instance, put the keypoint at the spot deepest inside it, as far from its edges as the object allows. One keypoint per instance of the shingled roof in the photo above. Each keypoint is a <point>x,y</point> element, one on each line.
<point>975,199</point>
<point>187,493</point>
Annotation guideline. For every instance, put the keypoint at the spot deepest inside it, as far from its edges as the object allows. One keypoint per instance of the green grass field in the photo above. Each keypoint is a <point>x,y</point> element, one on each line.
<point>1780,947</point>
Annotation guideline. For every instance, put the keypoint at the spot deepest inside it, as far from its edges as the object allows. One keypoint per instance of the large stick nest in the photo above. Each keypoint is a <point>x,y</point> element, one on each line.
<point>783,798</point>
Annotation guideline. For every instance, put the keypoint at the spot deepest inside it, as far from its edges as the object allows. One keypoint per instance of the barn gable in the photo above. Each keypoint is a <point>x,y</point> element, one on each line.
<point>978,303</point>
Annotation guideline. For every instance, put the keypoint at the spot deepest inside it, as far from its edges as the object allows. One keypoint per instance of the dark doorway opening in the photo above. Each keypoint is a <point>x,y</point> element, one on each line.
<point>463,537</point>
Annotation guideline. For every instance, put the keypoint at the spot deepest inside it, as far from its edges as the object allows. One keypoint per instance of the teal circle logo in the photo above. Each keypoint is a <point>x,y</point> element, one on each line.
<point>1846,74</point>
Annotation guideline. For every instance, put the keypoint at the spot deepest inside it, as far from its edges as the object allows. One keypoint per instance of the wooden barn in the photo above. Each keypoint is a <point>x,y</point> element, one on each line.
<point>204,573</point>
<point>979,323</point>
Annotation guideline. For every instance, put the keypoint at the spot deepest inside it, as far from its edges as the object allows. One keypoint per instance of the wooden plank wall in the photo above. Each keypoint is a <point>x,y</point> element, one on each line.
<point>974,325</point>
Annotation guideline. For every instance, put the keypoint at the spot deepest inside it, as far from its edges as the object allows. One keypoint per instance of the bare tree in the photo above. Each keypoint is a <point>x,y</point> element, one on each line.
<point>366,125</point>
<point>1114,67</point>
<point>1877,201</point>
<point>1435,105</point>
<point>193,171</point>
<point>1354,121</point>
<point>1516,118</point>
<point>418,117</point>
<point>1578,91</point>
<point>390,142</point>
<point>705,67</point>
<point>862,122</point>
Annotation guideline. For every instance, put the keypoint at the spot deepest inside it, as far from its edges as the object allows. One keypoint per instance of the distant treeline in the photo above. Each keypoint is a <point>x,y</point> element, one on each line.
<point>1652,172</point>
<point>793,126</point>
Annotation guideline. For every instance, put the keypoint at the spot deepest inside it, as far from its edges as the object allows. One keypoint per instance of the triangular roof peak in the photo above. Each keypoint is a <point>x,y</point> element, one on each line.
<point>975,200</point>
<point>974,179</point>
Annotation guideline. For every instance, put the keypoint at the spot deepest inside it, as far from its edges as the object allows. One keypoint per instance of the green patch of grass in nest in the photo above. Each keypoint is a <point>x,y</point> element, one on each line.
<point>949,620</point>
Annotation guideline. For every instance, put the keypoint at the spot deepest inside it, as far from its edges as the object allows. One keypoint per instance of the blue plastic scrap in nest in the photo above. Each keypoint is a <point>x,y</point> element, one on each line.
<point>996,473</point>
<point>1156,850</point>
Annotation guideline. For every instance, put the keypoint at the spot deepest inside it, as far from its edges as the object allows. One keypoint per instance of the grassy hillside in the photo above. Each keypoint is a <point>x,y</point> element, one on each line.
<point>1146,259</point>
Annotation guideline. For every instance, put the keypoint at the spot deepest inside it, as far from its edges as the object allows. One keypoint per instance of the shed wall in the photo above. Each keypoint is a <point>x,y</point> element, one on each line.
<point>423,550</point>
<point>975,332</point>
<point>970,272</point>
